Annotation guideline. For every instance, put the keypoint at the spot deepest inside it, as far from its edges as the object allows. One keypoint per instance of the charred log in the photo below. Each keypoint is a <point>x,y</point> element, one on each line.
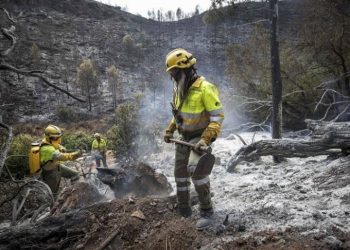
<point>138,180</point>
<point>326,137</point>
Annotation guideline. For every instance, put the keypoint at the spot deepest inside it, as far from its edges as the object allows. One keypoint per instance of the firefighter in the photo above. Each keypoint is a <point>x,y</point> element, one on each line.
<point>52,153</point>
<point>99,147</point>
<point>198,115</point>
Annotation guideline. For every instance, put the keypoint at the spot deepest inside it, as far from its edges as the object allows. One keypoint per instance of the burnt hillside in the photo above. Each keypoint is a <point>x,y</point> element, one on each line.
<point>66,32</point>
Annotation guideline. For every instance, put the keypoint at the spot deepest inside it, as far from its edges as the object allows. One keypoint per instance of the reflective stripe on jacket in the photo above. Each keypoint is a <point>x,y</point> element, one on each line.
<point>202,107</point>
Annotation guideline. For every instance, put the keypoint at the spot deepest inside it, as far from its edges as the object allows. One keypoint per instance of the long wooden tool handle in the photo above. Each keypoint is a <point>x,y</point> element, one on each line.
<point>206,149</point>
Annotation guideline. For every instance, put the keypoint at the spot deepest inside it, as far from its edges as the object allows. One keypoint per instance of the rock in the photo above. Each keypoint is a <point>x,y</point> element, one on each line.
<point>220,229</point>
<point>231,137</point>
<point>318,216</point>
<point>138,214</point>
<point>137,179</point>
<point>241,227</point>
<point>333,242</point>
<point>217,160</point>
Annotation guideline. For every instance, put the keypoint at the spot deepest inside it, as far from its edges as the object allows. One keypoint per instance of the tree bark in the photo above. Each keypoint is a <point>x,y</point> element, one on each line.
<point>3,153</point>
<point>276,74</point>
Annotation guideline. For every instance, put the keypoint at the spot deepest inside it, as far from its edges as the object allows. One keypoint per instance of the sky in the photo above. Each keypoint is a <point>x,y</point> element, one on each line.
<point>142,6</point>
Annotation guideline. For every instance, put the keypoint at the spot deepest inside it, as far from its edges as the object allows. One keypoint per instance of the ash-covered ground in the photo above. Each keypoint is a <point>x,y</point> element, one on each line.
<point>296,204</point>
<point>310,196</point>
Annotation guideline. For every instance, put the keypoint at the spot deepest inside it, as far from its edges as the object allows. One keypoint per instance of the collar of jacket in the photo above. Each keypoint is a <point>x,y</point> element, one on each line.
<point>197,83</point>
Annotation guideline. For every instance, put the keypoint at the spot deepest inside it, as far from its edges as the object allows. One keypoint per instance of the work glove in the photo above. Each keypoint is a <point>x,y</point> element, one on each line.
<point>78,153</point>
<point>62,149</point>
<point>200,144</point>
<point>168,136</point>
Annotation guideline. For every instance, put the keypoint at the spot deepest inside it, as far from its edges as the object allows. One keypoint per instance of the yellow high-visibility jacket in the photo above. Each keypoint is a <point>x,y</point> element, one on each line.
<point>50,157</point>
<point>99,145</point>
<point>200,111</point>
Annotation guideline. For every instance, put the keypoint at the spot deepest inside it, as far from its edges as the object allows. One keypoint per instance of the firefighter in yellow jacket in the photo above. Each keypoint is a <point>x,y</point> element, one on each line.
<point>198,115</point>
<point>52,153</point>
<point>99,147</point>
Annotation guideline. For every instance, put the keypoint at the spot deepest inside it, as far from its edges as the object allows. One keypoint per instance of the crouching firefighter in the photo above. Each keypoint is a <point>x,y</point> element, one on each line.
<point>52,153</point>
<point>198,115</point>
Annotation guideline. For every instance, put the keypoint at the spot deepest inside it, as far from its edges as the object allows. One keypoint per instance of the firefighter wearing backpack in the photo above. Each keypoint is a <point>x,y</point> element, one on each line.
<point>52,153</point>
<point>198,115</point>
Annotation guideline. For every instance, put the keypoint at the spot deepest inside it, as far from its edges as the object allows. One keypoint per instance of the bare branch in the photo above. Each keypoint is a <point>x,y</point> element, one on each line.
<point>292,93</point>
<point>332,91</point>
<point>8,15</point>
<point>5,66</point>
<point>326,113</point>
<point>8,33</point>
<point>326,83</point>
<point>341,113</point>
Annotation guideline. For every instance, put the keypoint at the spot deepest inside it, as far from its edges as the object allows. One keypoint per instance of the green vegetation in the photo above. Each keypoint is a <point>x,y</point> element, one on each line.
<point>249,68</point>
<point>65,114</point>
<point>122,135</point>
<point>114,84</point>
<point>77,140</point>
<point>87,80</point>
<point>17,160</point>
<point>129,44</point>
<point>68,115</point>
<point>217,13</point>
<point>319,53</point>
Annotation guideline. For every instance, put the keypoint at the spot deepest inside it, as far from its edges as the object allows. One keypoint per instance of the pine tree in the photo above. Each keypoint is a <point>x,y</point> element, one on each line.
<point>114,83</point>
<point>87,79</point>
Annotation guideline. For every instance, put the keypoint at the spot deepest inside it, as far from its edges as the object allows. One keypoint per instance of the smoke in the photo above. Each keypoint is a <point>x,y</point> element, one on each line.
<point>154,116</point>
<point>233,117</point>
<point>155,111</point>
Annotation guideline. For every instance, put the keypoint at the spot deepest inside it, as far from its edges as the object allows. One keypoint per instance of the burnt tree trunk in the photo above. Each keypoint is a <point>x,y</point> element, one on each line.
<point>326,138</point>
<point>275,75</point>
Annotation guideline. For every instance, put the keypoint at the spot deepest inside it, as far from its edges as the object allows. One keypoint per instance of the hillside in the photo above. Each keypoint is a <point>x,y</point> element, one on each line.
<point>66,32</point>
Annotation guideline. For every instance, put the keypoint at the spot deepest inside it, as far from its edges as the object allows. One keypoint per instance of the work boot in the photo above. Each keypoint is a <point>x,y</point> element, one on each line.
<point>184,211</point>
<point>206,219</point>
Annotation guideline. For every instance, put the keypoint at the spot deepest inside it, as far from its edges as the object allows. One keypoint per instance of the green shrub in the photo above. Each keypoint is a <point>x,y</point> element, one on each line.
<point>17,160</point>
<point>122,135</point>
<point>65,114</point>
<point>77,140</point>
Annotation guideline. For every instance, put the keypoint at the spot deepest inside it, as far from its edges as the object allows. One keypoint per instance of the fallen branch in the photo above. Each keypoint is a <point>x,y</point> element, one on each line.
<point>35,73</point>
<point>277,147</point>
<point>326,137</point>
<point>8,33</point>
<point>106,242</point>
<point>8,15</point>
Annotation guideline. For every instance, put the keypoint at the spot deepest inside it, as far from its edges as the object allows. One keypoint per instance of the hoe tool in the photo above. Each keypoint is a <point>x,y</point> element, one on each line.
<point>206,160</point>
